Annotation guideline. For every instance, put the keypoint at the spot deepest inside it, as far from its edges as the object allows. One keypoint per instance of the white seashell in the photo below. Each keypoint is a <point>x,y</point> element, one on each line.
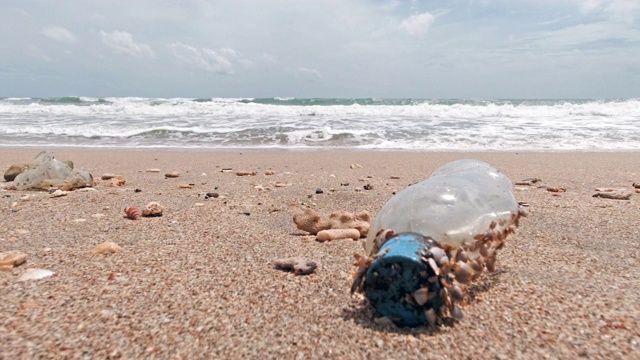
<point>34,274</point>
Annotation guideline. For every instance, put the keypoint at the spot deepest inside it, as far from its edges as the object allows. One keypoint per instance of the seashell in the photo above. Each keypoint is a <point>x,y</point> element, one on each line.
<point>456,293</point>
<point>12,258</point>
<point>185,186</point>
<point>132,213</point>
<point>456,313</point>
<point>431,317</point>
<point>107,247</point>
<point>355,166</point>
<point>421,296</point>
<point>153,209</point>
<point>269,172</point>
<point>173,174</point>
<point>246,173</point>
<point>34,274</point>
<point>153,170</point>
<point>300,266</point>
<point>108,176</point>
<point>434,266</point>
<point>282,184</point>
<point>335,234</point>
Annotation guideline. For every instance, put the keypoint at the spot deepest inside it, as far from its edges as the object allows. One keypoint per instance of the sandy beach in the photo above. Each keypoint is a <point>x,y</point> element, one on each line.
<point>199,281</point>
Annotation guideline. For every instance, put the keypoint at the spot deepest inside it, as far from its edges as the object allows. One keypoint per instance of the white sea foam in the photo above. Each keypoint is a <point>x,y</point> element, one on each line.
<point>329,123</point>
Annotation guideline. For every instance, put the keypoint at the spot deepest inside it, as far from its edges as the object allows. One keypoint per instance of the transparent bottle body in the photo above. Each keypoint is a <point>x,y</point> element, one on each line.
<point>458,201</point>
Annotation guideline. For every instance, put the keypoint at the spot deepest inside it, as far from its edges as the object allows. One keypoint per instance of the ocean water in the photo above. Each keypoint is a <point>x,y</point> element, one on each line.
<point>291,123</point>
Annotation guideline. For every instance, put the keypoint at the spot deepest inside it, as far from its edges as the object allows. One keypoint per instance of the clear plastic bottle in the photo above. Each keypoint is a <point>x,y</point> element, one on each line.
<point>458,201</point>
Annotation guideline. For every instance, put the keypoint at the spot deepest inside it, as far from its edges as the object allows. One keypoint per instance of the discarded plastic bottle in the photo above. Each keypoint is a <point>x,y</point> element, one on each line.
<point>434,237</point>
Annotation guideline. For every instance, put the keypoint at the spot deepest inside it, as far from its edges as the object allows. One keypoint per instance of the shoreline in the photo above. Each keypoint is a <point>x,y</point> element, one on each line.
<point>200,281</point>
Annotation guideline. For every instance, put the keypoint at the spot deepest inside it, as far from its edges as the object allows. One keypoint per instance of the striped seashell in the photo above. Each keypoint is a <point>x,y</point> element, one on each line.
<point>132,213</point>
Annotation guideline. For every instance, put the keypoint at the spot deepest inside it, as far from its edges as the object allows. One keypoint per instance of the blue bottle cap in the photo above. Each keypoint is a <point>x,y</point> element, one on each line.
<point>396,275</point>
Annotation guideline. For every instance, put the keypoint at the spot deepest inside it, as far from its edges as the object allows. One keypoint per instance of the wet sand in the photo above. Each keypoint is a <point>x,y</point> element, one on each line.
<point>198,282</point>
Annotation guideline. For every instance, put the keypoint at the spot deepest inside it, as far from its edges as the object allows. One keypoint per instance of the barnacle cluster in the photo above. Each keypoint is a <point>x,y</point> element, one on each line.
<point>433,239</point>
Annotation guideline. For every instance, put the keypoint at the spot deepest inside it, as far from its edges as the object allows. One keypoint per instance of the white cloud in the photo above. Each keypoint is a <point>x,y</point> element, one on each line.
<point>417,24</point>
<point>58,33</point>
<point>123,42</point>
<point>221,61</point>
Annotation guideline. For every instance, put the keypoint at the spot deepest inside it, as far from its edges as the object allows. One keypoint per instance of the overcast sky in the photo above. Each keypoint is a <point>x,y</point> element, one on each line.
<point>315,48</point>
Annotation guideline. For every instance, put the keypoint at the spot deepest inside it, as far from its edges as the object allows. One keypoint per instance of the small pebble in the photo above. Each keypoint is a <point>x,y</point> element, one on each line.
<point>137,190</point>
<point>319,191</point>
<point>368,187</point>
<point>211,195</point>
<point>185,186</point>
<point>153,170</point>
<point>269,172</point>
<point>174,174</point>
